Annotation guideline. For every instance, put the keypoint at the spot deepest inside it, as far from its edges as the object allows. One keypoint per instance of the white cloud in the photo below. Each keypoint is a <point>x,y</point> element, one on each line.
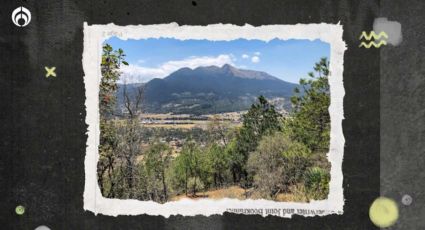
<point>255,59</point>
<point>245,56</point>
<point>257,53</point>
<point>134,73</point>
<point>141,61</point>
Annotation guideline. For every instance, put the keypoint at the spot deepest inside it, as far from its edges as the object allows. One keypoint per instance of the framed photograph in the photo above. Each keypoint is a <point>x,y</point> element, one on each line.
<point>202,120</point>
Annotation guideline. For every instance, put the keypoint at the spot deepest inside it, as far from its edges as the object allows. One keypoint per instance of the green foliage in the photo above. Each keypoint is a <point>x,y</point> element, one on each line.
<point>297,158</point>
<point>217,163</point>
<point>310,121</point>
<point>179,174</point>
<point>317,183</point>
<point>261,119</point>
<point>269,155</point>
<point>287,155</point>
<point>111,62</point>
<point>278,163</point>
<point>266,164</point>
<point>107,156</point>
<point>236,159</point>
<point>195,183</point>
<point>190,164</point>
<point>158,158</point>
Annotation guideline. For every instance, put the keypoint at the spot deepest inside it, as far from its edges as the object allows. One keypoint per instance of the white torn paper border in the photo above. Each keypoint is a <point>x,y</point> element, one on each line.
<point>95,35</point>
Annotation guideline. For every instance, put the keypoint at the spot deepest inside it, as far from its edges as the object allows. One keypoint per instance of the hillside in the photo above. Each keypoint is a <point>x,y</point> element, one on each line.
<point>210,89</point>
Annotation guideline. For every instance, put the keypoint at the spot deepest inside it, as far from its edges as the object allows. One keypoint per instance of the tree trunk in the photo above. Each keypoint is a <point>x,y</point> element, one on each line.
<point>186,183</point>
<point>194,188</point>
<point>130,178</point>
<point>220,179</point>
<point>215,180</point>
<point>164,186</point>
<point>234,175</point>
<point>110,171</point>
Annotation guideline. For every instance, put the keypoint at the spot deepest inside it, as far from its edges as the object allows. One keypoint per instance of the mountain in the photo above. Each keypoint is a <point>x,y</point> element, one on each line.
<point>210,89</point>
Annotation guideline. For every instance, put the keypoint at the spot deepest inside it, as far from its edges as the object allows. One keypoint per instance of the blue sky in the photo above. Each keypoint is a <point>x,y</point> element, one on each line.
<point>156,58</point>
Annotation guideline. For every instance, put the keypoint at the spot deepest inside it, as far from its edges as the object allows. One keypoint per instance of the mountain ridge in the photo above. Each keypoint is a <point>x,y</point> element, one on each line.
<point>210,89</point>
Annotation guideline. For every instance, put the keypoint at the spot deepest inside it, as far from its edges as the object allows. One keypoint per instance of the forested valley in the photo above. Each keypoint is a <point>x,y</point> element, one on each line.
<point>269,155</point>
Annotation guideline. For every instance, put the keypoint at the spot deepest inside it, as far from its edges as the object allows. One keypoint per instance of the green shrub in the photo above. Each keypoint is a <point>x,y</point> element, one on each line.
<point>317,183</point>
<point>297,160</point>
<point>195,184</point>
<point>277,164</point>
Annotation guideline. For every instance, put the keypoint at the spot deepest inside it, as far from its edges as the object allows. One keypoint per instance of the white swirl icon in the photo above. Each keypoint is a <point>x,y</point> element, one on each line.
<point>21,16</point>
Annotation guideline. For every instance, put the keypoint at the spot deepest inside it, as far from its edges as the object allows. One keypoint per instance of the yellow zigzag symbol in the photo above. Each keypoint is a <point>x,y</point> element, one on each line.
<point>372,34</point>
<point>367,46</point>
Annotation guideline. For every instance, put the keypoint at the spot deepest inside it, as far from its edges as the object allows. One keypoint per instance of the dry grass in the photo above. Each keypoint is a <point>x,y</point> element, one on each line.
<point>236,192</point>
<point>297,194</point>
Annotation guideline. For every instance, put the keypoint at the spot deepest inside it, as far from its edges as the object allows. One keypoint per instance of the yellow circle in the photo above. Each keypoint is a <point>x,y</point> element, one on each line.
<point>383,212</point>
<point>20,210</point>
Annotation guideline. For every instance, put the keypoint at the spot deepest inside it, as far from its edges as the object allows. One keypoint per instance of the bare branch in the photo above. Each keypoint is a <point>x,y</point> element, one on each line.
<point>127,102</point>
